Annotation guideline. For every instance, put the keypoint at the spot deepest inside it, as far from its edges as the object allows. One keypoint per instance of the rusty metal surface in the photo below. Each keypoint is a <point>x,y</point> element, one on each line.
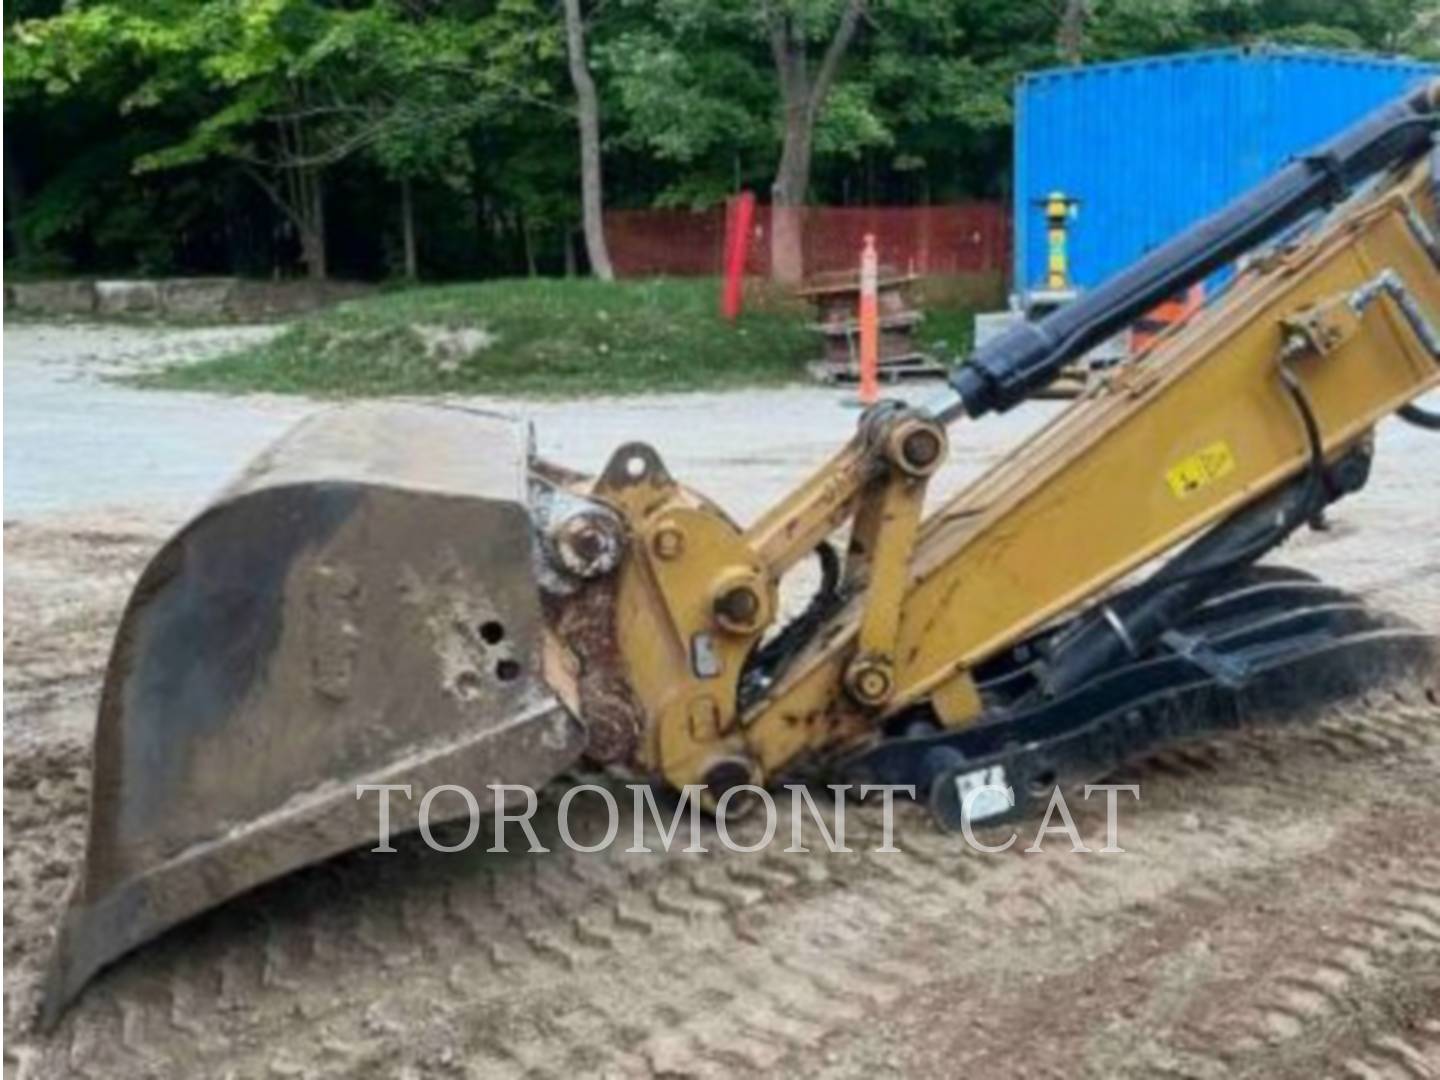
<point>585,622</point>
<point>585,541</point>
<point>361,607</point>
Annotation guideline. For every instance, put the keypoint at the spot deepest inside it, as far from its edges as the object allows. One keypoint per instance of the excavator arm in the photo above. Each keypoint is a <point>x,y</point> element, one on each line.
<point>399,594</point>
<point>1274,389</point>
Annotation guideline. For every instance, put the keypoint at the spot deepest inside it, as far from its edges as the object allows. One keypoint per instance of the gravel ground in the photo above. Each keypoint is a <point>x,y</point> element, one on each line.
<point>1276,913</point>
<point>76,443</point>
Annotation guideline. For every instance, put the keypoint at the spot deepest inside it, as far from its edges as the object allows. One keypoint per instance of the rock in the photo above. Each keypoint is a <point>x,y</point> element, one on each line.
<point>197,298</point>
<point>127,297</point>
<point>53,297</point>
<point>251,300</point>
<point>449,346</point>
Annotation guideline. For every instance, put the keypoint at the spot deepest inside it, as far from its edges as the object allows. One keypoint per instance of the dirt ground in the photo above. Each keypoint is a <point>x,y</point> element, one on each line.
<point>1276,911</point>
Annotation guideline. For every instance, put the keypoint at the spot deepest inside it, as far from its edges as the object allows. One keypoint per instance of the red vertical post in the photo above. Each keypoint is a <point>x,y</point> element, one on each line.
<point>869,324</point>
<point>739,217</point>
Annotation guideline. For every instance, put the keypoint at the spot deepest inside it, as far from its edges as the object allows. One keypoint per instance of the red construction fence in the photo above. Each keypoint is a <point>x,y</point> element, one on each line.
<point>960,238</point>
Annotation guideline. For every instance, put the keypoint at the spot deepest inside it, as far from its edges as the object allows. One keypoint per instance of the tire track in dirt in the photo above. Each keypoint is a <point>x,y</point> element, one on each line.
<point>1413,1056</point>
<point>1351,979</point>
<point>503,963</point>
<point>1238,970</point>
<point>423,964</point>
<point>64,590</point>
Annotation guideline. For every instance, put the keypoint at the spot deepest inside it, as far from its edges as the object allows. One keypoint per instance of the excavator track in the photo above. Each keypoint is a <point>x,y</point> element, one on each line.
<point>1273,647</point>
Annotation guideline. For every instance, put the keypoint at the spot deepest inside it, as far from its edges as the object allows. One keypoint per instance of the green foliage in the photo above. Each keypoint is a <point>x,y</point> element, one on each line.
<point>682,106</point>
<point>341,81</point>
<point>1315,36</point>
<point>1130,27</point>
<point>851,122</point>
<point>540,338</point>
<point>139,127</point>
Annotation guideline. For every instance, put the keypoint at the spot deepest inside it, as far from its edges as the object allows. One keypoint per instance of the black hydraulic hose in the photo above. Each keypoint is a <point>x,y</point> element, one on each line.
<point>1004,372</point>
<point>1423,418</point>
<point>1125,628</point>
<point>1120,632</point>
<point>767,661</point>
<point>1435,174</point>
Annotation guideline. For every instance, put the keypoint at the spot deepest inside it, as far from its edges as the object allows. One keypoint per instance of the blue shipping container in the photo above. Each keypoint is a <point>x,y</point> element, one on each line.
<point>1148,146</point>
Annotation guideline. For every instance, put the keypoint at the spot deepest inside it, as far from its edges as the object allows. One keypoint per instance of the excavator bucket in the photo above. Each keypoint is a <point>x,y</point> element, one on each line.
<point>360,607</point>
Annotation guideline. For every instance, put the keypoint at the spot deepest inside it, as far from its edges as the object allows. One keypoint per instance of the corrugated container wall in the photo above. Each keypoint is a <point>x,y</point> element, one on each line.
<point>1148,146</point>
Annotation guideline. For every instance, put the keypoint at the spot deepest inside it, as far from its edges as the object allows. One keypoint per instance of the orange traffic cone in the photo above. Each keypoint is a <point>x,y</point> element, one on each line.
<point>869,325</point>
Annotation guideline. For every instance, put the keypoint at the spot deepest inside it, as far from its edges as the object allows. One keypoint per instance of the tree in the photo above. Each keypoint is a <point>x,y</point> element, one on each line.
<point>791,28</point>
<point>146,134</point>
<point>587,116</point>
<point>289,89</point>
<point>694,101</point>
<point>684,74</point>
<point>314,86</point>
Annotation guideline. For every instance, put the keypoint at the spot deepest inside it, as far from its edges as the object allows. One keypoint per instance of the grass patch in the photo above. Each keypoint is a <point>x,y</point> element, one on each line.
<point>947,333</point>
<point>536,337</point>
<point>950,303</point>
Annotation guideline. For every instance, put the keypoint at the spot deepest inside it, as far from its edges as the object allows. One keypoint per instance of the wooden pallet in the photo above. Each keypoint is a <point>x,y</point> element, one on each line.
<point>893,369</point>
<point>835,298</point>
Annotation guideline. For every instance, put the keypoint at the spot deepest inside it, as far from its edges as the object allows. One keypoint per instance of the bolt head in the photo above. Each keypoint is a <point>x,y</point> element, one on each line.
<point>915,446</point>
<point>873,682</point>
<point>669,542</point>
<point>738,606</point>
<point>922,447</point>
<point>870,682</point>
<point>588,544</point>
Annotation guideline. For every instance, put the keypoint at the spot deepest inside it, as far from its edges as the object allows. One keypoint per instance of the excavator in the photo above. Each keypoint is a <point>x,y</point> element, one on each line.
<point>405,593</point>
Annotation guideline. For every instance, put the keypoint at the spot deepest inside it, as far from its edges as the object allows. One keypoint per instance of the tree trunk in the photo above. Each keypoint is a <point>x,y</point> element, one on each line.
<point>303,200</point>
<point>592,203</point>
<point>787,199</point>
<point>802,99</point>
<point>407,230</point>
<point>1070,36</point>
<point>527,244</point>
<point>298,195</point>
<point>312,226</point>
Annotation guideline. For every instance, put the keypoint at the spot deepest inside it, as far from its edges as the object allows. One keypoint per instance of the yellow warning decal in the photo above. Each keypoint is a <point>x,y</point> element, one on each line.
<point>1200,469</point>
